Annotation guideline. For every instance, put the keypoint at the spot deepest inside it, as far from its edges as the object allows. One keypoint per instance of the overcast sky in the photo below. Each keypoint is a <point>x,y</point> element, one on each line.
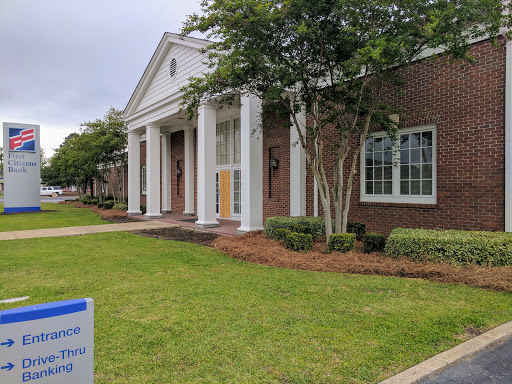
<point>64,62</point>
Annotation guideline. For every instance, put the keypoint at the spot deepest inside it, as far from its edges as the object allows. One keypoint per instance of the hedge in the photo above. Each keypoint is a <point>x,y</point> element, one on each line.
<point>462,247</point>
<point>373,242</point>
<point>314,226</point>
<point>123,206</point>
<point>299,241</point>
<point>108,204</point>
<point>341,242</point>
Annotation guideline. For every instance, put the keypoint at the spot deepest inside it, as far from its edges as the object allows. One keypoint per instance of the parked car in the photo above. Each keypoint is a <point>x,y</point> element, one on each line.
<point>51,191</point>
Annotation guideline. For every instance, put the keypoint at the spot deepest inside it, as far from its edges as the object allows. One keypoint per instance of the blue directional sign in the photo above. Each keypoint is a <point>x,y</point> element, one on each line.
<point>50,343</point>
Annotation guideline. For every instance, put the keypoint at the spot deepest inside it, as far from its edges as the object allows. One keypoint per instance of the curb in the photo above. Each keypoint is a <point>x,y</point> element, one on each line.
<point>445,359</point>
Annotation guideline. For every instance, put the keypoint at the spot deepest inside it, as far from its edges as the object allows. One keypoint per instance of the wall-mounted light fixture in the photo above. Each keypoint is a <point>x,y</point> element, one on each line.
<point>179,172</point>
<point>274,163</point>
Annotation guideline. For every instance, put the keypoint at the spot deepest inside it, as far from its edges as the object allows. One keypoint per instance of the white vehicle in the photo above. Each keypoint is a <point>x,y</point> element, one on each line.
<point>51,191</point>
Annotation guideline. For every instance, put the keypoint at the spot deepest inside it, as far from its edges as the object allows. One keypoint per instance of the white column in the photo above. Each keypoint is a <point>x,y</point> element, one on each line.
<point>166,173</point>
<point>189,172</point>
<point>297,168</point>
<point>251,143</point>
<point>134,173</point>
<point>152,171</point>
<point>206,163</point>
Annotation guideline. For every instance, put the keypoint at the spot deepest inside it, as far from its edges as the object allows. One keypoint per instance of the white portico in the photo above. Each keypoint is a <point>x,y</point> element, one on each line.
<point>210,166</point>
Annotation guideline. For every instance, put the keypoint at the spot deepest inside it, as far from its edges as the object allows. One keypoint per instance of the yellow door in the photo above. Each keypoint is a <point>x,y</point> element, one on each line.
<point>225,194</point>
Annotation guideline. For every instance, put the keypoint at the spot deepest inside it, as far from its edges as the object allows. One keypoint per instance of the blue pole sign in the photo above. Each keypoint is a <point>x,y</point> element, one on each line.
<point>50,343</point>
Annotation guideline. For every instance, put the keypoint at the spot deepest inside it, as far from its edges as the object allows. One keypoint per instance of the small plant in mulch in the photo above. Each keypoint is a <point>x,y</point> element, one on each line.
<point>373,242</point>
<point>341,242</point>
<point>299,241</point>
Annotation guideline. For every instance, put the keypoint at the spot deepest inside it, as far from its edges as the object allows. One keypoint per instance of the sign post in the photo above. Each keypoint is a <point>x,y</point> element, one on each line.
<point>22,168</point>
<point>49,343</point>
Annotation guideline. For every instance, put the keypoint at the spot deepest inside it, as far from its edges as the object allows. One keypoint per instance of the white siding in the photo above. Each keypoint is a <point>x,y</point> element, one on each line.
<point>189,64</point>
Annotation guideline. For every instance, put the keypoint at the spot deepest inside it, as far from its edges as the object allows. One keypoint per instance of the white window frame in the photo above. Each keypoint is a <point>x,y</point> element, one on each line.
<point>144,180</point>
<point>396,197</point>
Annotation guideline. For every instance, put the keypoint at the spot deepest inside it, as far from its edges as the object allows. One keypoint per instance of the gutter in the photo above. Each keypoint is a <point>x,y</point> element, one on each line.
<point>508,130</point>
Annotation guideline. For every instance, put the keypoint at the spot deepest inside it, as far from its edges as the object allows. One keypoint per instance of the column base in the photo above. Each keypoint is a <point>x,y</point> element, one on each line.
<point>189,213</point>
<point>134,213</point>
<point>242,230</point>
<point>207,224</point>
<point>149,216</point>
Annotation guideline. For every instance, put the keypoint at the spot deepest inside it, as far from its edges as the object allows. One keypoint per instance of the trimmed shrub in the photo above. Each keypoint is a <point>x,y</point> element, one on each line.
<point>299,241</point>
<point>299,228</point>
<point>108,204</point>
<point>373,242</point>
<point>122,206</point>
<point>341,242</point>
<point>99,205</point>
<point>358,228</point>
<point>280,234</point>
<point>143,208</point>
<point>314,226</point>
<point>461,247</point>
<point>94,201</point>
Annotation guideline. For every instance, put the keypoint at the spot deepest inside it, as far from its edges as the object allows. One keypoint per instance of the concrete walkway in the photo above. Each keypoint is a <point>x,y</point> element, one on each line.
<point>84,230</point>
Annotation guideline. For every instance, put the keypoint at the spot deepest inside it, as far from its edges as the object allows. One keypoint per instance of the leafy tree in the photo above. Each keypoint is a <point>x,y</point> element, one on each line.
<point>97,152</point>
<point>332,59</point>
<point>109,150</point>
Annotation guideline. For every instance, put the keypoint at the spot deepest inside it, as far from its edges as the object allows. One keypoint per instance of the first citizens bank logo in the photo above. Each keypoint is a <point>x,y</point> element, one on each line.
<point>22,140</point>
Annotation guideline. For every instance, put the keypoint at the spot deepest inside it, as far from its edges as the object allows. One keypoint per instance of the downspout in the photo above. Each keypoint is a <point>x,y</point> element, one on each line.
<point>508,130</point>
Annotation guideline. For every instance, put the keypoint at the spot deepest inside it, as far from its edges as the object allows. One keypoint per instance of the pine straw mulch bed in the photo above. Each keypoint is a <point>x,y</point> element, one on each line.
<point>111,215</point>
<point>255,247</point>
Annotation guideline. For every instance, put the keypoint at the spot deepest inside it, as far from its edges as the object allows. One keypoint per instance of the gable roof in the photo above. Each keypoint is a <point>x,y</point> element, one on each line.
<point>167,41</point>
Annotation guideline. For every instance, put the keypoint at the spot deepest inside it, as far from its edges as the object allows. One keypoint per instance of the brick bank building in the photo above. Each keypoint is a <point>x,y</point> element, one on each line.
<point>452,168</point>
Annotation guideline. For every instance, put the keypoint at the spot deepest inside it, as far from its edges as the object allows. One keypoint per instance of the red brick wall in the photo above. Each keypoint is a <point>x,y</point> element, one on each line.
<point>177,153</point>
<point>276,183</point>
<point>467,106</point>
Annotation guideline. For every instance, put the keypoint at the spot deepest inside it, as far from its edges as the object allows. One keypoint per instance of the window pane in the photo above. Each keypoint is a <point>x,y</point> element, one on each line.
<point>387,144</point>
<point>378,188</point>
<point>369,187</point>
<point>369,158</point>
<point>378,144</point>
<point>236,208</point>
<point>426,171</point>
<point>404,187</point>
<point>378,173</point>
<point>415,156</point>
<point>369,145</point>
<point>236,186</point>
<point>388,158</point>
<point>388,187</point>
<point>415,140</point>
<point>426,156</point>
<point>369,173</point>
<point>404,156</point>
<point>236,196</point>
<point>404,172</point>
<point>404,141</point>
<point>377,158</point>
<point>415,187</point>
<point>415,171</point>
<point>427,187</point>
<point>426,139</point>
<point>388,173</point>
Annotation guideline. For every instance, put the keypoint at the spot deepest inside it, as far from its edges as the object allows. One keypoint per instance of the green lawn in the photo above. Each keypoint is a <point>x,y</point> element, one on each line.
<point>171,312</point>
<point>66,215</point>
